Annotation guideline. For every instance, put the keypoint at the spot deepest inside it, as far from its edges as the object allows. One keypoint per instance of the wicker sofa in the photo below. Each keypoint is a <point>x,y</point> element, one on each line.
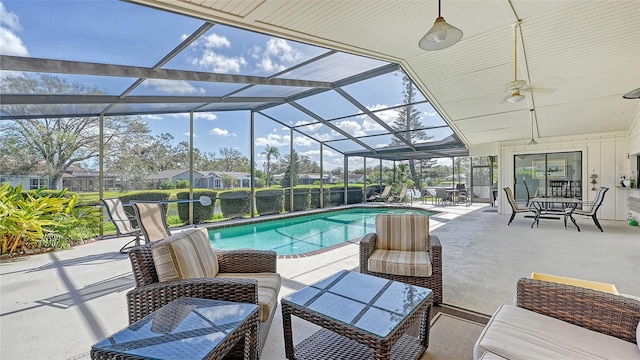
<point>243,276</point>
<point>557,321</point>
<point>409,232</point>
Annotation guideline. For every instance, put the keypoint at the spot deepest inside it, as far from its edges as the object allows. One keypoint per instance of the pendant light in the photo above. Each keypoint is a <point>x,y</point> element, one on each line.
<point>441,35</point>
<point>516,84</point>
<point>532,142</point>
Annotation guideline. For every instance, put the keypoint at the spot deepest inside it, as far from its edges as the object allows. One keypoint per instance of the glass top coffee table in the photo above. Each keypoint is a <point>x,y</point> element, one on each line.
<point>362,317</point>
<point>187,328</point>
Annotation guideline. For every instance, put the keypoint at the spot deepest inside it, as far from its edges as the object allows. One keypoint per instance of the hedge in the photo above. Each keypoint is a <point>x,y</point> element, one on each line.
<point>336,195</point>
<point>269,201</point>
<point>315,197</point>
<point>235,203</point>
<point>354,194</point>
<point>301,199</point>
<point>200,213</point>
<point>144,196</point>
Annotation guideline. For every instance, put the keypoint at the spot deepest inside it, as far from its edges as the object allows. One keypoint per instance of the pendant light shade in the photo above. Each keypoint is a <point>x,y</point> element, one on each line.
<point>515,96</point>
<point>532,141</point>
<point>441,35</point>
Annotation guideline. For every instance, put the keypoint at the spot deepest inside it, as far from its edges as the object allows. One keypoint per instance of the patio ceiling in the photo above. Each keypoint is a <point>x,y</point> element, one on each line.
<point>126,88</point>
<point>579,56</point>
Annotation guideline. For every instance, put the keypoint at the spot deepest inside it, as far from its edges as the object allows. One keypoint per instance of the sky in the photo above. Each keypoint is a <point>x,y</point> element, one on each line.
<point>110,31</point>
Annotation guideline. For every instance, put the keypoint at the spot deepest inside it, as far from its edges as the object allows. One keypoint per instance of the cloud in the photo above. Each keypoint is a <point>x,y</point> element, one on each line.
<point>10,43</point>
<point>272,139</point>
<point>316,153</point>
<point>214,61</point>
<point>277,54</point>
<point>216,42</point>
<point>351,127</point>
<point>430,113</point>
<point>221,132</point>
<point>173,87</point>
<point>206,116</point>
<point>151,117</point>
<point>219,63</point>
<point>187,134</point>
<point>309,126</point>
<point>8,19</point>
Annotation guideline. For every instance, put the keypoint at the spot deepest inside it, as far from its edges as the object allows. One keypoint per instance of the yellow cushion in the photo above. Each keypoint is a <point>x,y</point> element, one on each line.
<point>406,232</point>
<point>594,285</point>
<point>268,289</point>
<point>185,255</point>
<point>406,263</point>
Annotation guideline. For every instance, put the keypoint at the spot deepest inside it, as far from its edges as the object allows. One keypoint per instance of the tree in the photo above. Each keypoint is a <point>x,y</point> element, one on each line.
<point>270,151</point>
<point>232,160</point>
<point>57,143</point>
<point>290,178</point>
<point>408,121</point>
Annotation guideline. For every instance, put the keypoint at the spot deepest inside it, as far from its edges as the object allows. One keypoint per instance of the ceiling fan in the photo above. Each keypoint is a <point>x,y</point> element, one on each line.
<point>516,85</point>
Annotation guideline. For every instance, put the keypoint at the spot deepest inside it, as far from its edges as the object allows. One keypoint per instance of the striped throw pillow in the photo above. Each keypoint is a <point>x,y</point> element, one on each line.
<point>185,255</point>
<point>405,232</point>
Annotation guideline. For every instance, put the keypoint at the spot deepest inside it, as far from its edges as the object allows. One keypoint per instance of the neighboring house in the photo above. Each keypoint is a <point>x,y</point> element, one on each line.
<point>309,179</point>
<point>78,179</point>
<point>201,179</point>
<point>355,178</point>
<point>29,182</point>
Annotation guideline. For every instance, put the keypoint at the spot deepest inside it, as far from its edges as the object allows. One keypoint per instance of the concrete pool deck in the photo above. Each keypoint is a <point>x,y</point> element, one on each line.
<point>56,305</point>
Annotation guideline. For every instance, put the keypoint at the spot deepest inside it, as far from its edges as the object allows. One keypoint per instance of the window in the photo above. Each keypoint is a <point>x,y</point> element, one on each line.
<point>548,174</point>
<point>35,184</point>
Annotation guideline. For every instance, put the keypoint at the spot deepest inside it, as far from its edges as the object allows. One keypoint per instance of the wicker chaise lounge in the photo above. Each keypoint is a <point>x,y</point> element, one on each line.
<point>245,275</point>
<point>414,238</point>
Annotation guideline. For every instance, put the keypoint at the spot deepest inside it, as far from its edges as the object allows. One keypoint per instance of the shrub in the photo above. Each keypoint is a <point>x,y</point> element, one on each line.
<point>182,184</point>
<point>234,203</point>
<point>336,195</point>
<point>200,213</point>
<point>42,219</point>
<point>354,194</point>
<point>301,199</point>
<point>315,197</point>
<point>269,201</point>
<point>147,195</point>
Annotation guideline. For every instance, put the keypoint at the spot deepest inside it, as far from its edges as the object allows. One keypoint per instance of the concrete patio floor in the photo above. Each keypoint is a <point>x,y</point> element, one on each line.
<point>56,305</point>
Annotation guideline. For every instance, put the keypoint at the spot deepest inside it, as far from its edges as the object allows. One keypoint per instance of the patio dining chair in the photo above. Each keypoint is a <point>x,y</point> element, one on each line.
<point>152,220</point>
<point>442,196</point>
<point>589,209</point>
<point>122,221</point>
<point>515,208</point>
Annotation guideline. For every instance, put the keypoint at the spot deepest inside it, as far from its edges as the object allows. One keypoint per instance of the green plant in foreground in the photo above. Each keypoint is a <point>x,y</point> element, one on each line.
<point>42,219</point>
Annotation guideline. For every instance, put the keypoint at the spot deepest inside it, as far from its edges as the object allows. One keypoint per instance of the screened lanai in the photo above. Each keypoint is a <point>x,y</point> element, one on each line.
<point>341,105</point>
<point>314,93</point>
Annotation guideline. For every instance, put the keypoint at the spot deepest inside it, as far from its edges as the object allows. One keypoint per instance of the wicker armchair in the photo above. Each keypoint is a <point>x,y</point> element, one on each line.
<point>150,294</point>
<point>369,244</point>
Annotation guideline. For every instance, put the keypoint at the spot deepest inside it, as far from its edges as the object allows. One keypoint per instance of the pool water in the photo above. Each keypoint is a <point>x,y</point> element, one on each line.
<point>303,234</point>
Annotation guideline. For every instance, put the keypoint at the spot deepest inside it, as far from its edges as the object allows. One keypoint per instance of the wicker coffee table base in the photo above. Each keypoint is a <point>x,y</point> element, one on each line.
<point>325,344</point>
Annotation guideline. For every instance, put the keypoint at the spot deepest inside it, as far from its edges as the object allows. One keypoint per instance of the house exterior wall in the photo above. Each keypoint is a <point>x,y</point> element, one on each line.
<point>605,154</point>
<point>29,182</point>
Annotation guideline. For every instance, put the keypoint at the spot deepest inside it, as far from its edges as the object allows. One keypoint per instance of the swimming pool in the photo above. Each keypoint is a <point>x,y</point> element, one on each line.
<point>302,234</point>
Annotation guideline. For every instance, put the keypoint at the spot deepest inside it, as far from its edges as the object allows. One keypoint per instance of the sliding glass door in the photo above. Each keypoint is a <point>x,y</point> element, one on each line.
<point>548,175</point>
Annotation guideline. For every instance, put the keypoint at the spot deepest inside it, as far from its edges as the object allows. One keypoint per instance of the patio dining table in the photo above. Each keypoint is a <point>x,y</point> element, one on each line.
<point>541,205</point>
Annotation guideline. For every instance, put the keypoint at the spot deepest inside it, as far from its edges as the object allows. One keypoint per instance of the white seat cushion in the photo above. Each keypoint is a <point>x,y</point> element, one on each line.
<point>406,263</point>
<point>268,289</point>
<point>516,333</point>
<point>185,255</point>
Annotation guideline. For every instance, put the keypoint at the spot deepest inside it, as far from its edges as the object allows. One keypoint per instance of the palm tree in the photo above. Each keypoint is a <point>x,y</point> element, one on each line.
<point>270,151</point>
